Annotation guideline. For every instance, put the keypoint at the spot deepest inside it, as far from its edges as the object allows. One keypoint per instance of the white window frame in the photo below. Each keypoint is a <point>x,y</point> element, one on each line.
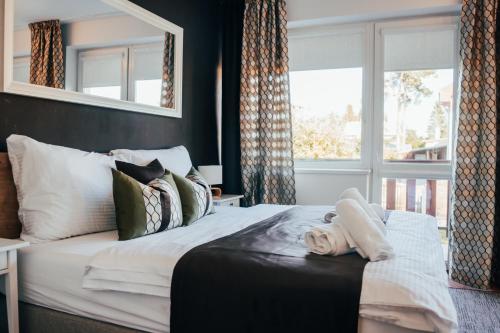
<point>406,170</point>
<point>21,61</point>
<point>7,23</point>
<point>105,52</point>
<point>372,162</point>
<point>361,166</point>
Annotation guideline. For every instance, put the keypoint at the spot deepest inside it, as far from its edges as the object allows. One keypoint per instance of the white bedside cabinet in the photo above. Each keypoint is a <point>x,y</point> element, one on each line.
<point>8,268</point>
<point>228,200</point>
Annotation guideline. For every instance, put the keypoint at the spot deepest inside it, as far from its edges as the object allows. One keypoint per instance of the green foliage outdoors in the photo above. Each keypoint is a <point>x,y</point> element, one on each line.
<point>327,137</point>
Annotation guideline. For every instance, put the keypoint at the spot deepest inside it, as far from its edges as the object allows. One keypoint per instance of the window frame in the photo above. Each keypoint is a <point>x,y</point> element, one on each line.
<point>132,50</point>
<point>372,164</point>
<point>363,164</point>
<point>22,61</point>
<point>7,84</point>
<point>103,52</point>
<point>435,170</point>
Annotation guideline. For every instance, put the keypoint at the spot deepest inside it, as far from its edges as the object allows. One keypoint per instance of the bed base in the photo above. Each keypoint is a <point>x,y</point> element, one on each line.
<point>38,319</point>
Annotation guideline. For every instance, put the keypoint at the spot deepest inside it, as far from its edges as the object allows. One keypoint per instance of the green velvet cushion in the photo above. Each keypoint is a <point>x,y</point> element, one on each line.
<point>196,196</point>
<point>145,209</point>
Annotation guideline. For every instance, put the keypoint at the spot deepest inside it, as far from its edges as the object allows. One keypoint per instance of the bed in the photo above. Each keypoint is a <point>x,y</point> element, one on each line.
<point>415,284</point>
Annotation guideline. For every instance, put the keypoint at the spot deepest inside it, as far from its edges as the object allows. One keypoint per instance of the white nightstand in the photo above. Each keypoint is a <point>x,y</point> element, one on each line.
<point>8,268</point>
<point>228,200</point>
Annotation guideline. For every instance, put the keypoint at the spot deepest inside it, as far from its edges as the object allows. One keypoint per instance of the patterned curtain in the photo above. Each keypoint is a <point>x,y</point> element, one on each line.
<point>265,117</point>
<point>167,85</point>
<point>47,57</point>
<point>474,218</point>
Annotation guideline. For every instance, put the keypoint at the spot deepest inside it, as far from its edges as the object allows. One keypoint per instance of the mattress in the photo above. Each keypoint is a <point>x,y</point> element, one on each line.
<point>51,275</point>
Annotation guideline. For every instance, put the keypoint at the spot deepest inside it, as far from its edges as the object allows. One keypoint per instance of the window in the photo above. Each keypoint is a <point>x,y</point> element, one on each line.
<point>131,73</point>
<point>418,94</point>
<point>415,83</point>
<point>326,110</point>
<point>146,74</point>
<point>22,69</point>
<point>103,73</point>
<point>326,92</point>
<point>379,96</point>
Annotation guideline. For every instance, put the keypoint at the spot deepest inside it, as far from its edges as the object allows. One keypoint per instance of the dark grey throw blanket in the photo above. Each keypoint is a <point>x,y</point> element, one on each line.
<point>262,279</point>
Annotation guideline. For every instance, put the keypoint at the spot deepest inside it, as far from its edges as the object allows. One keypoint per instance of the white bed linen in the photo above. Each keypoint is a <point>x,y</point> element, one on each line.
<point>145,265</point>
<point>408,291</point>
<point>50,275</point>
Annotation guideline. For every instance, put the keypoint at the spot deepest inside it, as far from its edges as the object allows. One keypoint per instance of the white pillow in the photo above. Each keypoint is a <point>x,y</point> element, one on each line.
<point>174,159</point>
<point>62,192</point>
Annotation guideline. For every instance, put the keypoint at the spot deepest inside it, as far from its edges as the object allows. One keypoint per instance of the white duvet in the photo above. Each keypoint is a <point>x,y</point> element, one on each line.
<point>409,291</point>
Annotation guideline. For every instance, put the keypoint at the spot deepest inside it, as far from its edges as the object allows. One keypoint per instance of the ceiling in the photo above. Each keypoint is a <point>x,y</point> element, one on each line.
<point>28,11</point>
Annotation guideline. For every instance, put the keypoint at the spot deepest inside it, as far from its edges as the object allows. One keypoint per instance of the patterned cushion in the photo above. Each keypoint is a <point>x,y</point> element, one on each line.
<point>196,196</point>
<point>145,209</point>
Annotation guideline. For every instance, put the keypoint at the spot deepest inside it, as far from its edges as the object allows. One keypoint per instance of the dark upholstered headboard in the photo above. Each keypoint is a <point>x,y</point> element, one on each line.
<point>10,227</point>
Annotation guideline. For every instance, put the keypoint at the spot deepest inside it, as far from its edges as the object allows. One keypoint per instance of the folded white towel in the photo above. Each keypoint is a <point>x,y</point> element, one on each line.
<point>365,236</point>
<point>378,210</point>
<point>327,239</point>
<point>353,193</point>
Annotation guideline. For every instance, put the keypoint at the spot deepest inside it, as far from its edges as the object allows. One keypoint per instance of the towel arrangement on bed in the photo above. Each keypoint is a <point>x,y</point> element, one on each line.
<point>356,225</point>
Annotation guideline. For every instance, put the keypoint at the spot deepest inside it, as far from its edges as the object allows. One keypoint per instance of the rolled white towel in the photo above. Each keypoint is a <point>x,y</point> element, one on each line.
<point>369,241</point>
<point>353,193</point>
<point>378,210</point>
<point>327,239</point>
<point>330,216</point>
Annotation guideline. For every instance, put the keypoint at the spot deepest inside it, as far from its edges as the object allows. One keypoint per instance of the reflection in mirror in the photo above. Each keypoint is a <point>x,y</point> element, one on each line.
<point>93,48</point>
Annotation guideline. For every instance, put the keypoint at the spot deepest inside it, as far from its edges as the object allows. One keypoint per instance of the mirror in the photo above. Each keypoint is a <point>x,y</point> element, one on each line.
<point>100,52</point>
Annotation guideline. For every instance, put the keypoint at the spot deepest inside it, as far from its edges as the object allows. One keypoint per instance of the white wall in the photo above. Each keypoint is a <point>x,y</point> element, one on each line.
<point>103,32</point>
<point>324,187</point>
<point>111,31</point>
<point>314,188</point>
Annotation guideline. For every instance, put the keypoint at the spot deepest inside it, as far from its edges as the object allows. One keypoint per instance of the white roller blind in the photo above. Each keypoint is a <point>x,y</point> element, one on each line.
<point>147,63</point>
<point>21,70</point>
<point>101,70</point>
<point>329,51</point>
<point>430,49</point>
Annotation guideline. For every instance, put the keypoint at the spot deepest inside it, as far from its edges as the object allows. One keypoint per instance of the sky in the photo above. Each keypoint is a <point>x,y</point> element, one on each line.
<point>326,91</point>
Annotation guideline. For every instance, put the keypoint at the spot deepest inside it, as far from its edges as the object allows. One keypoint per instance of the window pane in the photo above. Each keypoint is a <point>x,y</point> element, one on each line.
<point>21,70</point>
<point>326,113</point>
<point>102,72</point>
<point>109,92</point>
<point>418,94</point>
<point>148,92</point>
<point>147,73</point>
<point>426,196</point>
<point>417,111</point>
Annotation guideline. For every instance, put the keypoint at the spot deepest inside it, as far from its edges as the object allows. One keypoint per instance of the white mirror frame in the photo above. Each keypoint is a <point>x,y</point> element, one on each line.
<point>7,59</point>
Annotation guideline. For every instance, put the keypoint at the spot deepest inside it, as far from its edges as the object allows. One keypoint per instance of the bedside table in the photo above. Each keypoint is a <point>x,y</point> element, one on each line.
<point>8,267</point>
<point>228,200</point>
